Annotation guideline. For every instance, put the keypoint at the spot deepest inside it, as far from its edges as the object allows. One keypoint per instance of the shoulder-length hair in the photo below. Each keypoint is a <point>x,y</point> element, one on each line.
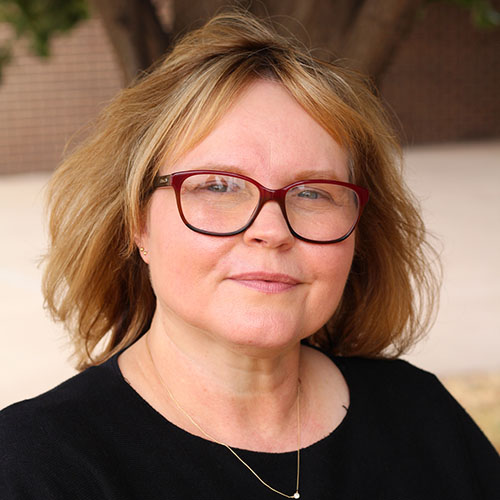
<point>95,281</point>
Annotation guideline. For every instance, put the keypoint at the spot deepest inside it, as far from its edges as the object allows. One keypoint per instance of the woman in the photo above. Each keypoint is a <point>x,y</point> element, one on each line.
<point>233,311</point>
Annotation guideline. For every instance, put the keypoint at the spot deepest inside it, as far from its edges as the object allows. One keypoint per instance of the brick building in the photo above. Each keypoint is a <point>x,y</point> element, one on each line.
<point>442,86</point>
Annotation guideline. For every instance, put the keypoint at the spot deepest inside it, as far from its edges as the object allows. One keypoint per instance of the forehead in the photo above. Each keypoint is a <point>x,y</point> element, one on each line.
<point>267,135</point>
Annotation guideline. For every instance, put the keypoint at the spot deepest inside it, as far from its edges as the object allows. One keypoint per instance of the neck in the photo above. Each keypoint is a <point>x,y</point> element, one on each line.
<point>241,398</point>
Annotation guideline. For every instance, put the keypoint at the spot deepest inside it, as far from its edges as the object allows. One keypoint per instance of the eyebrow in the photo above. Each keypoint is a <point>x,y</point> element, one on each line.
<point>306,174</point>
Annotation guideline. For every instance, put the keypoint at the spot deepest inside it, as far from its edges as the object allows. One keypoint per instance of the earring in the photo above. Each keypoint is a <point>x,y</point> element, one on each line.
<point>144,252</point>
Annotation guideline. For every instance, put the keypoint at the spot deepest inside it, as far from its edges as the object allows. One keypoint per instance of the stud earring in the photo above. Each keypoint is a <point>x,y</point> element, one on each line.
<point>144,252</point>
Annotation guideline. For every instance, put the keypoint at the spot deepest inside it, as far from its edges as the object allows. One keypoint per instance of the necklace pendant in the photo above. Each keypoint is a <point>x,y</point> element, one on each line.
<point>296,495</point>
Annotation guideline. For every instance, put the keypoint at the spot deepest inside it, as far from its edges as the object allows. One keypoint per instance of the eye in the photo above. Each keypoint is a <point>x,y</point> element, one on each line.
<point>310,194</point>
<point>215,186</point>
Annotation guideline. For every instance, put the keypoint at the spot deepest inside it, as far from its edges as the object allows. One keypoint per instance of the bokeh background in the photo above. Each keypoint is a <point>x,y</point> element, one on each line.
<point>441,86</point>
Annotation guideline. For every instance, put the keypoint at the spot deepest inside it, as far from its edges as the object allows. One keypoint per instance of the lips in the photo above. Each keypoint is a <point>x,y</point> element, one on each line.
<point>266,282</point>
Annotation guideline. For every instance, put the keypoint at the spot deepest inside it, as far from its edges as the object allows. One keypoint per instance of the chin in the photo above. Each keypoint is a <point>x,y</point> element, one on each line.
<point>263,336</point>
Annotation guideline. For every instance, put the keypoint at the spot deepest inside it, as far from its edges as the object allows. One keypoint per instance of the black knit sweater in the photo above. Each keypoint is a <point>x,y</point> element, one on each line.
<point>93,437</point>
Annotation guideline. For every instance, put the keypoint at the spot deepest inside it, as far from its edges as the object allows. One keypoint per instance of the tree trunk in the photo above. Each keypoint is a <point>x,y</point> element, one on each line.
<point>365,34</point>
<point>376,33</point>
<point>135,31</point>
<point>320,24</point>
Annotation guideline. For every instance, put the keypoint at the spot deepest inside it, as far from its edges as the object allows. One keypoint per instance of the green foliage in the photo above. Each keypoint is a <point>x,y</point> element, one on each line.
<point>38,21</point>
<point>484,15</point>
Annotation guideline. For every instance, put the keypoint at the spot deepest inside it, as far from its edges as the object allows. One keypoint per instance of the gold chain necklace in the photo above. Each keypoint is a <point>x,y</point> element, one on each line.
<point>191,419</point>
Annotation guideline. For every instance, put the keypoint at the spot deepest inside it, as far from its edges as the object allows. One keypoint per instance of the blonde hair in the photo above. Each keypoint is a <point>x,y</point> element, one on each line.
<point>96,282</point>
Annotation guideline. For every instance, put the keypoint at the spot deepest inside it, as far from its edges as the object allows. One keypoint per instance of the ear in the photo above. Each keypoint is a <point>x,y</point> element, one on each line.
<point>143,252</point>
<point>141,240</point>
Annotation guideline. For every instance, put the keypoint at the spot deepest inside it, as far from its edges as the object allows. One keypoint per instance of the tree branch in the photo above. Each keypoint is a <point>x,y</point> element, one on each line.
<point>135,31</point>
<point>376,32</point>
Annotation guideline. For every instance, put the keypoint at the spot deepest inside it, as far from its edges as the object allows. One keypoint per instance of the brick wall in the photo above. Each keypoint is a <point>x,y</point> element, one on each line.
<point>442,85</point>
<point>444,82</point>
<point>44,102</point>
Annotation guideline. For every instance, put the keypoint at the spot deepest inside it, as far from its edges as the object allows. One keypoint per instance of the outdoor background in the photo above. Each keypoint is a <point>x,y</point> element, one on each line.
<point>442,89</point>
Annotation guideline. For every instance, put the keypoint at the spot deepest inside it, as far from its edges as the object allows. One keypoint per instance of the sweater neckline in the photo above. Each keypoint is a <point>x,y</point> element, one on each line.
<point>160,420</point>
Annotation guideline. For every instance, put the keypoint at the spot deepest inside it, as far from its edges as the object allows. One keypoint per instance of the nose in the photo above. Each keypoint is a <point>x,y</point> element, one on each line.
<point>269,229</point>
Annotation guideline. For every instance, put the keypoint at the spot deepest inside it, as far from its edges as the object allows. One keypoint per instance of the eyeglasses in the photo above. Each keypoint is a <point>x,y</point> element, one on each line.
<point>224,204</point>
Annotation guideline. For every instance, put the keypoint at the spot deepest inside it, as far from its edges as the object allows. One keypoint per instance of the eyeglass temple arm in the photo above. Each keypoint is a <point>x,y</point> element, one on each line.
<point>163,180</point>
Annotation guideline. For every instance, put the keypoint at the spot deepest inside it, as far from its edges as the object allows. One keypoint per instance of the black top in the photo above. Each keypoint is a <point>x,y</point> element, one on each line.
<point>93,437</point>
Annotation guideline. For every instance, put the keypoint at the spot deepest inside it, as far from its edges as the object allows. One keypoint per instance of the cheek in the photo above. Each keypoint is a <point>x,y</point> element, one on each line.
<point>179,259</point>
<point>333,265</point>
<point>168,240</point>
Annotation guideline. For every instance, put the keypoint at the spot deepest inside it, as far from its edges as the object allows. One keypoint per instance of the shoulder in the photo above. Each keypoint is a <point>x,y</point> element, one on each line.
<point>58,411</point>
<point>57,431</point>
<point>394,376</point>
<point>381,367</point>
<point>396,393</point>
<point>396,389</point>
<point>76,396</point>
<point>41,435</point>
<point>397,405</point>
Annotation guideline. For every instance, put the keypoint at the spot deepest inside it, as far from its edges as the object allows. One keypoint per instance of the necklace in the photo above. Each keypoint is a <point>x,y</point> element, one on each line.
<point>193,421</point>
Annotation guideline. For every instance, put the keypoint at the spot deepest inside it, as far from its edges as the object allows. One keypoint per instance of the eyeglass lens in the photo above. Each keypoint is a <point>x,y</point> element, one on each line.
<point>224,204</point>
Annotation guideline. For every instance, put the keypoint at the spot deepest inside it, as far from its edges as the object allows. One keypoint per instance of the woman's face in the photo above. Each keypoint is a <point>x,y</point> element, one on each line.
<point>263,288</point>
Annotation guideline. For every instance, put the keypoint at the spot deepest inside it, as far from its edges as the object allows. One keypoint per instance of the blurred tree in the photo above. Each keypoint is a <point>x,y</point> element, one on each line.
<point>39,21</point>
<point>364,33</point>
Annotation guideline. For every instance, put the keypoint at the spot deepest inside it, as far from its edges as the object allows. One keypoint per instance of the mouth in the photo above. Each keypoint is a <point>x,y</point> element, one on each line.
<point>266,282</point>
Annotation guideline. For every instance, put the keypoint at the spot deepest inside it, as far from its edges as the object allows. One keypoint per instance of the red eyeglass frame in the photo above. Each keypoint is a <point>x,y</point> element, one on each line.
<point>176,179</point>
